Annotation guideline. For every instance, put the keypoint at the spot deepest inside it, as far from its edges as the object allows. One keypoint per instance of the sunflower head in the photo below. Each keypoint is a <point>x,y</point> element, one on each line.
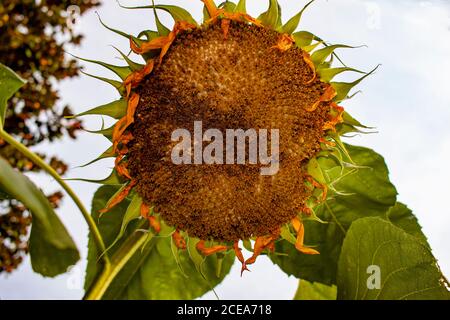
<point>231,74</point>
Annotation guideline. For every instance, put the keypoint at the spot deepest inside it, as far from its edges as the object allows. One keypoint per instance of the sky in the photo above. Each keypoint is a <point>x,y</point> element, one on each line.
<point>406,100</point>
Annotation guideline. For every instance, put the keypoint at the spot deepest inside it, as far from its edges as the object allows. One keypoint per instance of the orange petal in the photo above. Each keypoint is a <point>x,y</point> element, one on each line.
<point>211,7</point>
<point>163,42</point>
<point>179,240</point>
<point>318,185</point>
<point>328,95</point>
<point>262,243</point>
<point>145,47</point>
<point>209,251</point>
<point>136,77</point>
<point>328,143</point>
<point>225,25</point>
<point>331,125</point>
<point>300,229</point>
<point>119,197</point>
<point>239,16</point>
<point>145,210</point>
<point>307,59</point>
<point>121,167</point>
<point>126,121</point>
<point>154,223</point>
<point>240,256</point>
<point>285,42</point>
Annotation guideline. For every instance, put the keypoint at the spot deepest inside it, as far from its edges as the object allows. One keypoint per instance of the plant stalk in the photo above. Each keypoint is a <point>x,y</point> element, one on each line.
<point>118,261</point>
<point>44,166</point>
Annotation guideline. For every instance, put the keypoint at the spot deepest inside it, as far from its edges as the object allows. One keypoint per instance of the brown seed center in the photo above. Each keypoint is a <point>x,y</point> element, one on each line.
<point>241,82</point>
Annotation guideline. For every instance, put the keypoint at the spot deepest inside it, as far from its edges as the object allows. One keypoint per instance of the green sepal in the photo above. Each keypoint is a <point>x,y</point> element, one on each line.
<point>116,84</point>
<point>241,6</point>
<point>304,38</point>
<point>319,56</point>
<point>177,13</point>
<point>176,256</point>
<point>287,235</point>
<point>293,23</point>
<point>122,71</point>
<point>314,170</point>
<point>350,125</point>
<point>116,109</point>
<point>134,66</point>
<point>133,212</point>
<point>149,34</point>
<point>327,74</point>
<point>121,33</point>
<point>228,6</point>
<point>108,153</point>
<point>195,256</point>
<point>311,47</point>
<point>206,15</point>
<point>343,88</point>
<point>112,179</point>
<point>106,132</point>
<point>162,29</point>
<point>272,17</point>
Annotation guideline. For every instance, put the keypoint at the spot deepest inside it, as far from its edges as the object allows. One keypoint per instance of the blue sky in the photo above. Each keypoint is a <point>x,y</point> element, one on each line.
<point>407,101</point>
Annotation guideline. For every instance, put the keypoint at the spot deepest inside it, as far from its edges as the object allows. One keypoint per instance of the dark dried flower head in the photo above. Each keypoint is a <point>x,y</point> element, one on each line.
<point>242,82</point>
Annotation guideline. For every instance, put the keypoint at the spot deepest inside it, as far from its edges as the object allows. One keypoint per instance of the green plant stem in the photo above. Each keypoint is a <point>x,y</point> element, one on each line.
<point>118,261</point>
<point>44,166</point>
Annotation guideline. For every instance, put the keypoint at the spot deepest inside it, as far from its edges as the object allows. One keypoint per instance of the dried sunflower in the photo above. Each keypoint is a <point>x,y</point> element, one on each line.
<point>232,71</point>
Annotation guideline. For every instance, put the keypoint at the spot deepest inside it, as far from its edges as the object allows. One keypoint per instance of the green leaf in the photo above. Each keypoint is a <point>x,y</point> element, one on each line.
<point>116,109</point>
<point>293,23</point>
<point>315,291</point>
<point>4,195</point>
<point>407,268</point>
<point>152,273</point>
<point>401,216</point>
<point>272,17</point>
<point>370,194</point>
<point>52,250</point>
<point>10,82</point>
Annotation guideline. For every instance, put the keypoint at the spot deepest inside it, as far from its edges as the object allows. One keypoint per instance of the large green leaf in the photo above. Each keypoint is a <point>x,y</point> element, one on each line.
<point>368,192</point>
<point>52,250</point>
<point>407,268</point>
<point>315,291</point>
<point>402,217</point>
<point>10,82</point>
<point>153,272</point>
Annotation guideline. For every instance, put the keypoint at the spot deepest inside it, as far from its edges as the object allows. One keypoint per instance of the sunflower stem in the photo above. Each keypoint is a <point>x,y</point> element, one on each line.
<point>118,261</point>
<point>47,168</point>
